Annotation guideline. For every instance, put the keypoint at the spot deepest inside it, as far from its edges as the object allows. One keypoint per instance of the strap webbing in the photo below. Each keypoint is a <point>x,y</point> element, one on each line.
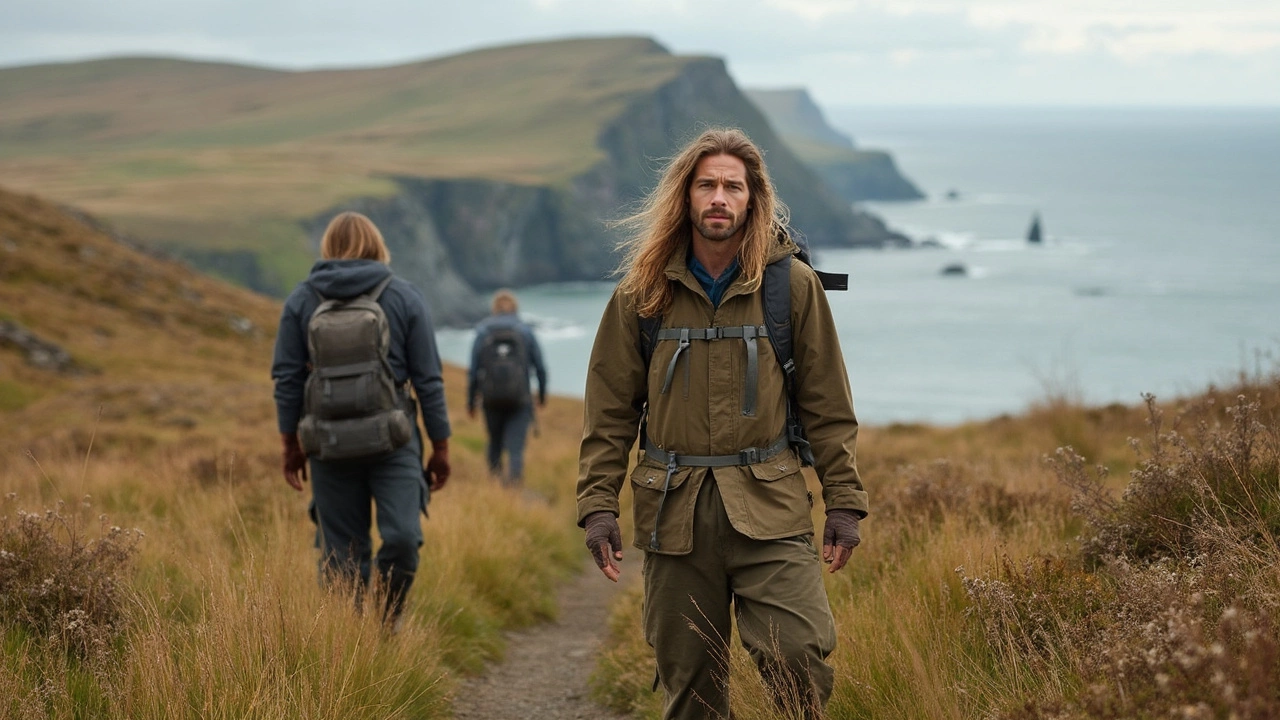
<point>750,456</point>
<point>348,370</point>
<point>675,461</point>
<point>376,292</point>
<point>748,333</point>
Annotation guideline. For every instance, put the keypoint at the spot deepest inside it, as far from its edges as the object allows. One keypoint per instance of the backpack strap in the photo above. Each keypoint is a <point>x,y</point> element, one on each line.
<point>649,328</point>
<point>776,301</point>
<point>747,333</point>
<point>833,281</point>
<point>377,290</point>
<point>776,296</point>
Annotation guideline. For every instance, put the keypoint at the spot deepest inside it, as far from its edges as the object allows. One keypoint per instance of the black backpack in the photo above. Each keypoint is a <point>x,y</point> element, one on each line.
<point>776,297</point>
<point>503,369</point>
<point>352,407</point>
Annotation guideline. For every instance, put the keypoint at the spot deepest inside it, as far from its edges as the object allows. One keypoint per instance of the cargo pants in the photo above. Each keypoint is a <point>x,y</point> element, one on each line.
<point>344,492</point>
<point>776,592</point>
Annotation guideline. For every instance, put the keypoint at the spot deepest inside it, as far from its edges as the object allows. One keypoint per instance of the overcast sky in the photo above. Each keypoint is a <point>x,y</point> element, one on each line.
<point>847,52</point>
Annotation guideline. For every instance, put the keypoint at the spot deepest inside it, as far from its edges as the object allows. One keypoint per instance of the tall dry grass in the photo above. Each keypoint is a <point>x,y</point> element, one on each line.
<point>220,611</point>
<point>1001,577</point>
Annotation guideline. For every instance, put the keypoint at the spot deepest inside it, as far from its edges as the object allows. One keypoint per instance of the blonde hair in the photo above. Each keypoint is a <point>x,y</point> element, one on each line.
<point>663,223</point>
<point>504,301</point>
<point>352,236</point>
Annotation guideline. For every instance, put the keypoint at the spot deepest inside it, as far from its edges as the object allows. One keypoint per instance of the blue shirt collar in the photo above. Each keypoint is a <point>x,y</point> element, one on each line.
<point>714,287</point>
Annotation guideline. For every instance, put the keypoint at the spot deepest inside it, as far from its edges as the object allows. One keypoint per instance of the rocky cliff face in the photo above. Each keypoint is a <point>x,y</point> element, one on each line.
<point>795,115</point>
<point>853,174</point>
<point>459,239</point>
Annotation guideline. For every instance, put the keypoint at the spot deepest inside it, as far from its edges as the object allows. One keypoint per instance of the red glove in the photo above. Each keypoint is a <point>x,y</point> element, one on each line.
<point>437,468</point>
<point>295,461</point>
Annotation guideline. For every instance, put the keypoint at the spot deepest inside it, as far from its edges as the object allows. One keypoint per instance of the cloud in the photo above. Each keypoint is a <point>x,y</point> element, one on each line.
<point>886,49</point>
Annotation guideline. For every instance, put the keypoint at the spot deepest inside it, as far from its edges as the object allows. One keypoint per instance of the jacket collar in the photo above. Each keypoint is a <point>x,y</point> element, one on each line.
<point>678,266</point>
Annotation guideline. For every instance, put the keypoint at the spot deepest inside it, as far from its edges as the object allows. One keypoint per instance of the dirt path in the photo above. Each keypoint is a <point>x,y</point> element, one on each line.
<point>544,674</point>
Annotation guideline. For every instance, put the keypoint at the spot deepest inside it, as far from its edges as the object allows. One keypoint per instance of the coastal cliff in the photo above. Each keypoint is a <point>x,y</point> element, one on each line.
<point>485,234</point>
<point>852,173</point>
<point>496,167</point>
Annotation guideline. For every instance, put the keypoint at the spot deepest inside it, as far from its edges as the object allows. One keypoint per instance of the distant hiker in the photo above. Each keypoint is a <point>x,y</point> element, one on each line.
<point>504,352</point>
<point>687,358</point>
<point>353,338</point>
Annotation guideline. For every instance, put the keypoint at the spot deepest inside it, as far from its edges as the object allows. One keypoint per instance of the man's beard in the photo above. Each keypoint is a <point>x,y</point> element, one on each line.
<point>717,234</point>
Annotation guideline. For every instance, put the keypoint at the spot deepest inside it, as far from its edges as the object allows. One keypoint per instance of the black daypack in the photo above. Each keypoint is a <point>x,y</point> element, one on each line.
<point>503,369</point>
<point>351,405</point>
<point>775,295</point>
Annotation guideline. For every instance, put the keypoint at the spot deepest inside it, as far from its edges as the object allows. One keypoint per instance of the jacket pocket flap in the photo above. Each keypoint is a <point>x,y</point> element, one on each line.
<point>776,468</point>
<point>654,477</point>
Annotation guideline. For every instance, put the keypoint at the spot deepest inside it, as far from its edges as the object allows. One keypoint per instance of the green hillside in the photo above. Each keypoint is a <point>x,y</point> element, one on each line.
<point>125,136</point>
<point>166,149</point>
<point>492,168</point>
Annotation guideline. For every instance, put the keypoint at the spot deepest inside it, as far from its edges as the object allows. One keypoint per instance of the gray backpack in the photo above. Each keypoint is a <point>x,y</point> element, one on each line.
<point>352,407</point>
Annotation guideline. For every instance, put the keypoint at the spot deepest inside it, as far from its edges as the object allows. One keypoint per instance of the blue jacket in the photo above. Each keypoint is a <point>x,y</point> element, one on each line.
<point>413,355</point>
<point>506,320</point>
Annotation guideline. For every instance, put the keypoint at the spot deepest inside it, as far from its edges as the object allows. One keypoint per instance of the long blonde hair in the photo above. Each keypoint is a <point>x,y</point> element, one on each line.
<point>352,236</point>
<point>663,223</point>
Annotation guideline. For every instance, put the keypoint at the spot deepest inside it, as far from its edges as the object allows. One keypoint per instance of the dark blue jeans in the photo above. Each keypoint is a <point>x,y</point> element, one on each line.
<point>345,492</point>
<point>507,432</point>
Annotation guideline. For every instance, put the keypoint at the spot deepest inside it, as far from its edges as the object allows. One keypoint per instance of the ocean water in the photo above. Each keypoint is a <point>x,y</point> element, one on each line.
<point>1159,271</point>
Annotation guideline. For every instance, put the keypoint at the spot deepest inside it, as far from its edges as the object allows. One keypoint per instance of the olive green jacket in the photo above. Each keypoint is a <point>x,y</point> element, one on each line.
<point>702,413</point>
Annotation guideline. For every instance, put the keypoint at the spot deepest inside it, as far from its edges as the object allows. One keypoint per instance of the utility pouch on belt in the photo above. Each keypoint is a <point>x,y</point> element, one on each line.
<point>674,462</point>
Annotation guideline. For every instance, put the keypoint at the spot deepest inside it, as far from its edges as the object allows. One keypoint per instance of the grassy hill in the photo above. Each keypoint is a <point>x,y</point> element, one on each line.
<point>488,168</point>
<point>226,157</point>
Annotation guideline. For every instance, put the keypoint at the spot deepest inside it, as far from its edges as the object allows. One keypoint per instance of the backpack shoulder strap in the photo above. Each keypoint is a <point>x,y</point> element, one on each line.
<point>833,281</point>
<point>649,327</point>
<point>830,281</point>
<point>776,297</point>
<point>378,289</point>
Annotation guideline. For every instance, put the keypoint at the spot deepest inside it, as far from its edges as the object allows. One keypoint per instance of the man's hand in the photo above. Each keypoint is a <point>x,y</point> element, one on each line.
<point>437,468</point>
<point>295,461</point>
<point>840,537</point>
<point>604,540</point>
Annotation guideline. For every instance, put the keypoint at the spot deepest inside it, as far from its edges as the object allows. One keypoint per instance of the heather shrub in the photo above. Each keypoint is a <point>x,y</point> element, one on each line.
<point>1186,491</point>
<point>942,489</point>
<point>1167,607</point>
<point>58,582</point>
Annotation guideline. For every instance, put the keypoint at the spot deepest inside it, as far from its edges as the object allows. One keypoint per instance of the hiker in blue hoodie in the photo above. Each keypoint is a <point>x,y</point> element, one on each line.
<point>504,353</point>
<point>353,339</point>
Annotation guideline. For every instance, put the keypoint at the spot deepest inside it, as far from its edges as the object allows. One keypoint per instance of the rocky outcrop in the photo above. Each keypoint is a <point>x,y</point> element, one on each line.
<point>38,352</point>
<point>795,116</point>
<point>853,174</point>
<point>865,175</point>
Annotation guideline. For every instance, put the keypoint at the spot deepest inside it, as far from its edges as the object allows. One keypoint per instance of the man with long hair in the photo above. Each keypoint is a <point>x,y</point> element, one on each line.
<point>721,508</point>
<point>354,265</point>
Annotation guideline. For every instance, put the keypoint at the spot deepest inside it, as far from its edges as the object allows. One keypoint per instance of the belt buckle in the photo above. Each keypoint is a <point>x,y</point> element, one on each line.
<point>750,456</point>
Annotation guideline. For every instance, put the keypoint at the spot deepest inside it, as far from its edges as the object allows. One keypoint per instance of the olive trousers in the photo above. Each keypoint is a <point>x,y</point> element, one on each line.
<point>774,589</point>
